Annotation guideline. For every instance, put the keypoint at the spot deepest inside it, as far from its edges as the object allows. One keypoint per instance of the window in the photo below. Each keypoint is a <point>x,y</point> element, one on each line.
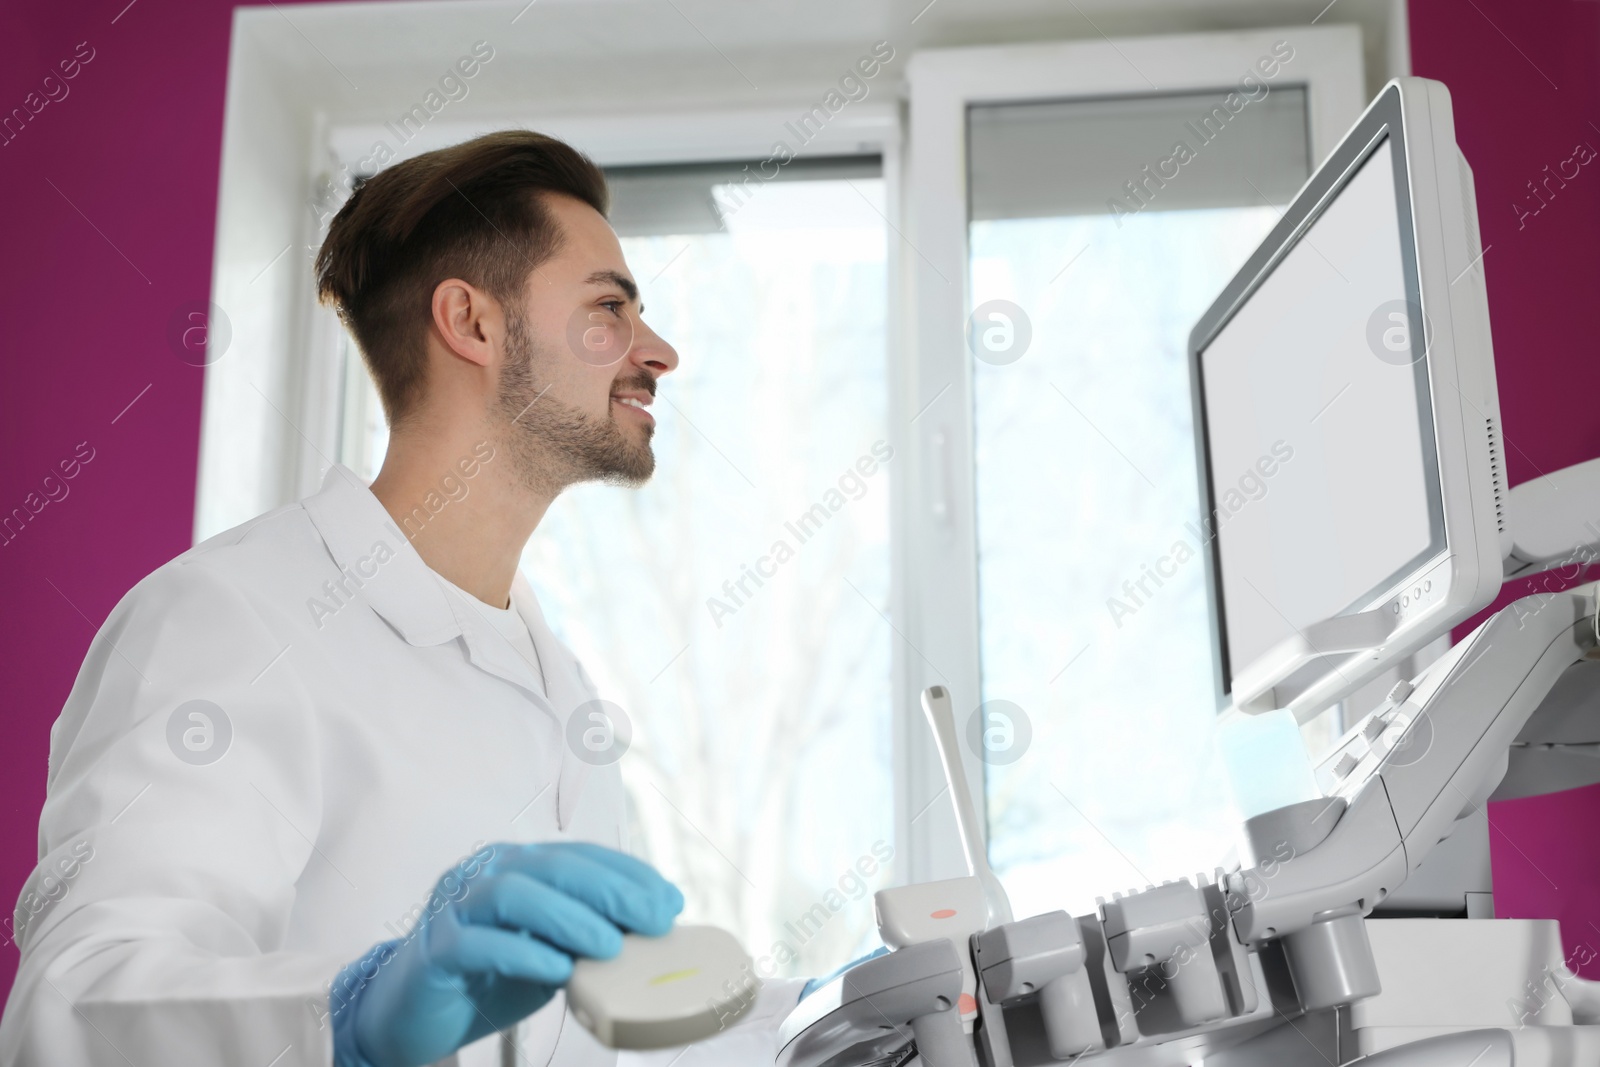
<point>1067,245</point>
<point>731,606</point>
<point>1092,609</point>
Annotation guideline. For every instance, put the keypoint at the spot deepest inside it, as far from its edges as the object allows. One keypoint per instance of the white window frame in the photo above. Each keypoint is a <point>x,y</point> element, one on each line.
<point>938,562</point>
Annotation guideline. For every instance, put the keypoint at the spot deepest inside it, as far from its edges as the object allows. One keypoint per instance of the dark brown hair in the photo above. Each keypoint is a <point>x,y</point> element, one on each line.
<point>473,211</point>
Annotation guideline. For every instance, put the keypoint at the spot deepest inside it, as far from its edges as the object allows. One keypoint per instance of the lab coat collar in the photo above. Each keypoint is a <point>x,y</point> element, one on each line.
<point>354,524</point>
<point>408,595</point>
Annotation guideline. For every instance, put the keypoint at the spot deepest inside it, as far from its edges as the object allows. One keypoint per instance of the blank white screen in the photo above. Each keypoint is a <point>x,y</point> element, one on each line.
<point>1294,365</point>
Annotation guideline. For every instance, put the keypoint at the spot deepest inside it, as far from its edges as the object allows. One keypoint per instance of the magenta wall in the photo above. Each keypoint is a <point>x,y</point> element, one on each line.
<point>1525,76</point>
<point>110,200</point>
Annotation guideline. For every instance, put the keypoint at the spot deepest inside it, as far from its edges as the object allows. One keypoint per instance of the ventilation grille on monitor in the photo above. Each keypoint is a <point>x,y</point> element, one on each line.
<point>1497,470</point>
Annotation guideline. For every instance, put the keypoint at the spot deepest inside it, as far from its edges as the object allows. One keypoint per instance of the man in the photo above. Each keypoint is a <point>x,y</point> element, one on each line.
<point>281,739</point>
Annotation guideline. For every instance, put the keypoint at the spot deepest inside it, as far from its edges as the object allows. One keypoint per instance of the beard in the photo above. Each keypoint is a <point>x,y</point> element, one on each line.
<point>554,445</point>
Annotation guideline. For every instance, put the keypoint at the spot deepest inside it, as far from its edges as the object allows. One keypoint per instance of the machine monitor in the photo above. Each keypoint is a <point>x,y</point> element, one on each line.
<point>1347,420</point>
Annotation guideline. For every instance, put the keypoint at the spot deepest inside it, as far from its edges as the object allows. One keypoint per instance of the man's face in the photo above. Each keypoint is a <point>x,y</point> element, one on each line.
<point>580,364</point>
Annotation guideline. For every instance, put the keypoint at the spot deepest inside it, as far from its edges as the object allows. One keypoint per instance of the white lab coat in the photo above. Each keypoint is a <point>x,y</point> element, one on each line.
<point>186,912</point>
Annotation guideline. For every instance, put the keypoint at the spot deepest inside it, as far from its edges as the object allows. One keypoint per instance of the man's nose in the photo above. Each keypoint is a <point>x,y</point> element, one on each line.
<point>651,352</point>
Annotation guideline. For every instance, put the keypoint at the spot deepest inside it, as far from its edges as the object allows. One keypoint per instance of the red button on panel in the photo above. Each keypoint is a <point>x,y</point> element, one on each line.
<point>942,913</point>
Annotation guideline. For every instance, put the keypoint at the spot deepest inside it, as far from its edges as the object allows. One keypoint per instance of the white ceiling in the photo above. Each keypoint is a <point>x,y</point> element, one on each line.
<point>353,59</point>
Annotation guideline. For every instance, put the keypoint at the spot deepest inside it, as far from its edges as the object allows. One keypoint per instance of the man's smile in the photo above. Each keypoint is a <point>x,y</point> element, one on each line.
<point>635,401</point>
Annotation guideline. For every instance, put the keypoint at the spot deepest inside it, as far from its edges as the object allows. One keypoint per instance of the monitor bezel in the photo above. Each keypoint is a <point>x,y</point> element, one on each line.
<point>1382,122</point>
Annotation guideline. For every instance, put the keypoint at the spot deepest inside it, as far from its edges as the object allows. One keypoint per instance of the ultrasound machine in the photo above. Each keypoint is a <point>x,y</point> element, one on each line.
<point>1346,929</point>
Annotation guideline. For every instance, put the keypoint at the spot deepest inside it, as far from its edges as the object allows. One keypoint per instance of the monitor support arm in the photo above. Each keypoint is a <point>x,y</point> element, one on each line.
<point>1429,755</point>
<point>1254,689</point>
<point>1555,521</point>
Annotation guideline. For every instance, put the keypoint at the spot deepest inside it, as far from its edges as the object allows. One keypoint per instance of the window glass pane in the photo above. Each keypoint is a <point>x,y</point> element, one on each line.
<point>731,607</point>
<point>697,198</point>
<point>1030,160</point>
<point>1093,613</point>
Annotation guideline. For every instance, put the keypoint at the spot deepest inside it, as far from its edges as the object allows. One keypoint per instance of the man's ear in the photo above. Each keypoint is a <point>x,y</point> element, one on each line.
<point>468,320</point>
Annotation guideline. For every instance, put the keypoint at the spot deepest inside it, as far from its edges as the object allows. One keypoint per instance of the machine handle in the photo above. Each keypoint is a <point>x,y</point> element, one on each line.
<point>941,718</point>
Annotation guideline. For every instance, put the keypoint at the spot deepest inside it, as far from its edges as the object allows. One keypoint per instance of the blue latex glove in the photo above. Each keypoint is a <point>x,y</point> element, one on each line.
<point>817,983</point>
<point>496,941</point>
